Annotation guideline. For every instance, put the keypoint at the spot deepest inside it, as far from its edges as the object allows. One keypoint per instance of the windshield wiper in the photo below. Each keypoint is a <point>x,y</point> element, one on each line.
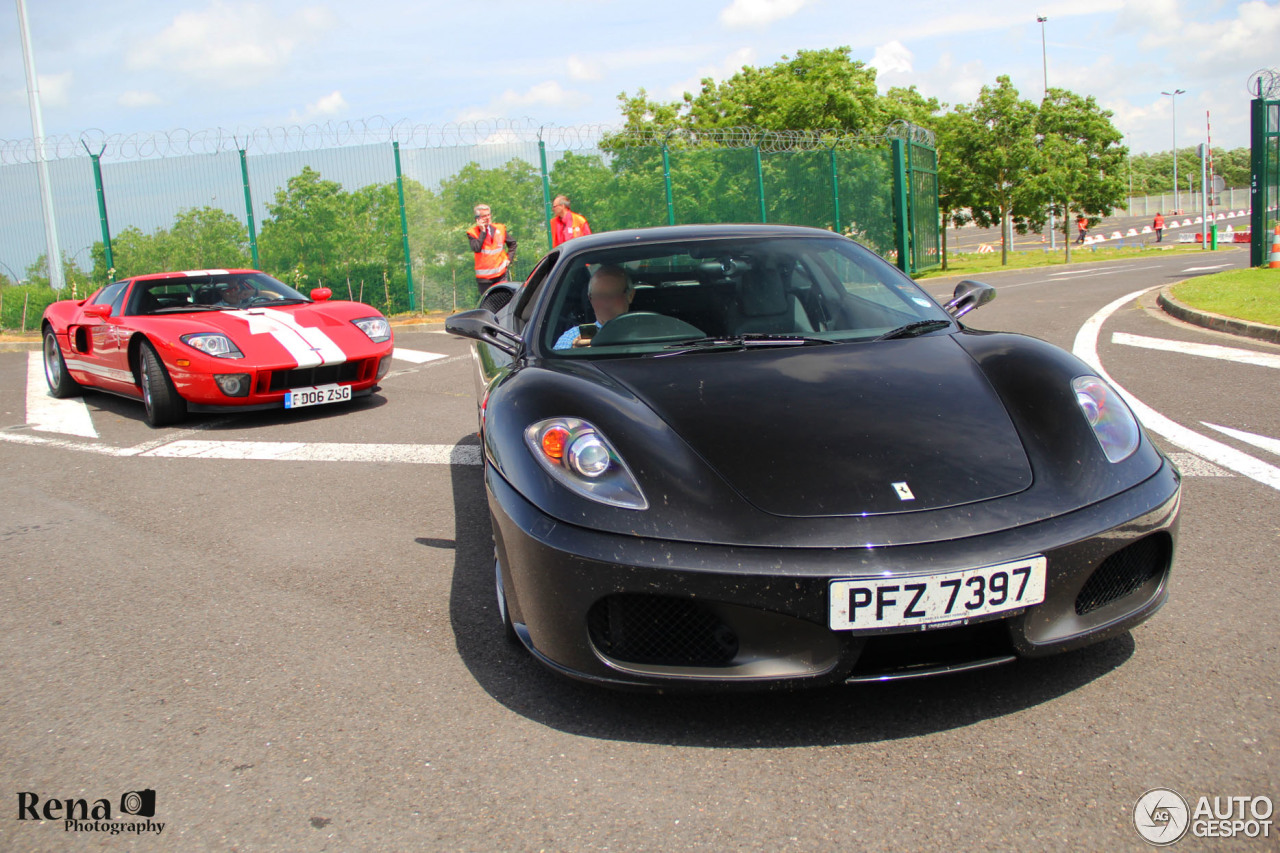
<point>283,300</point>
<point>750,340</point>
<point>910,330</point>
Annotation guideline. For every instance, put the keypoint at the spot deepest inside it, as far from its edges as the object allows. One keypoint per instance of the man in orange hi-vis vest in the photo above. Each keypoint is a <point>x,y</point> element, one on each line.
<point>566,224</point>
<point>494,246</point>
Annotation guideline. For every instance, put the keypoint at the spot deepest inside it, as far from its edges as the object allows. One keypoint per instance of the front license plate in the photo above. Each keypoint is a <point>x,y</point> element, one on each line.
<point>316,395</point>
<point>874,603</point>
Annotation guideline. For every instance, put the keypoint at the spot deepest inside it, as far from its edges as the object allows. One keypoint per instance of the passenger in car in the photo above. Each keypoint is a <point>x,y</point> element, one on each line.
<point>610,291</point>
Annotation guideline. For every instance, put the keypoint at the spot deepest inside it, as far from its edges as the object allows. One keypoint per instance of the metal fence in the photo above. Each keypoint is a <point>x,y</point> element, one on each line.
<point>377,211</point>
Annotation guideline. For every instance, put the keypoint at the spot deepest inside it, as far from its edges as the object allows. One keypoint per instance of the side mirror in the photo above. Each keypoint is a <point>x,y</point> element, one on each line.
<point>98,310</point>
<point>320,294</point>
<point>969,295</point>
<point>479,324</point>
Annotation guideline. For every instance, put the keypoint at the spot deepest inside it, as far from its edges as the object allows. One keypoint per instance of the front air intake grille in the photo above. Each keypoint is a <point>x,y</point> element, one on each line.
<point>660,630</point>
<point>1124,572</point>
<point>322,374</point>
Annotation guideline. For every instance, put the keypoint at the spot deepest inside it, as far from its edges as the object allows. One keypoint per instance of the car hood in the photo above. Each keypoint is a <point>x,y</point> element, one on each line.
<point>845,429</point>
<point>304,335</point>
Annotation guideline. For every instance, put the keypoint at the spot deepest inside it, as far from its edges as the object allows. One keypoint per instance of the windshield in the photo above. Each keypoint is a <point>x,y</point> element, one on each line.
<point>656,298</point>
<point>210,292</point>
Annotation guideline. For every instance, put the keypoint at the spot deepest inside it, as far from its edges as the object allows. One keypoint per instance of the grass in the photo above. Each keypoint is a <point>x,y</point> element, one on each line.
<point>1252,294</point>
<point>973,264</point>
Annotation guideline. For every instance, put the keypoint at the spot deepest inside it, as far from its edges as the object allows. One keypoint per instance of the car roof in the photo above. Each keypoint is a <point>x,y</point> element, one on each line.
<point>188,274</point>
<point>674,233</point>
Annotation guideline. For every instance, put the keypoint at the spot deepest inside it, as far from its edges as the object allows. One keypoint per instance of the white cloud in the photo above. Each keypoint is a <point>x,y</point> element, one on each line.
<point>722,70</point>
<point>55,89</point>
<point>581,69</point>
<point>548,93</point>
<point>759,13</point>
<point>892,58</point>
<point>134,99</point>
<point>332,104</point>
<point>233,43</point>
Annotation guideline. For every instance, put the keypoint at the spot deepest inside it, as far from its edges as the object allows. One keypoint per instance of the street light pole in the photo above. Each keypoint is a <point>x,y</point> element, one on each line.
<point>1173,102</point>
<point>1044,58</point>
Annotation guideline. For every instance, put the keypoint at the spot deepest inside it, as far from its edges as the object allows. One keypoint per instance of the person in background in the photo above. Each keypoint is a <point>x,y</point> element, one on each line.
<point>1158,225</point>
<point>1082,228</point>
<point>494,247</point>
<point>566,224</point>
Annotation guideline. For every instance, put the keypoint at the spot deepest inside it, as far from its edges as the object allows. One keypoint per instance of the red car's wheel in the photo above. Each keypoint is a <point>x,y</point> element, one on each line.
<point>55,369</point>
<point>164,405</point>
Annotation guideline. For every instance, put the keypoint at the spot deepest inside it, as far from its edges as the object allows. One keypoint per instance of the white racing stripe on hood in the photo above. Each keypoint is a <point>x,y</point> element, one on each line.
<point>308,345</point>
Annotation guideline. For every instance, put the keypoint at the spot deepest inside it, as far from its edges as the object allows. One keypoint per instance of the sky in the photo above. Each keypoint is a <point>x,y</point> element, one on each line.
<point>139,66</point>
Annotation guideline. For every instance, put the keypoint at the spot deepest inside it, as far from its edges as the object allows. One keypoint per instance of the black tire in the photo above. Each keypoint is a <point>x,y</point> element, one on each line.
<point>508,627</point>
<point>160,398</point>
<point>55,369</point>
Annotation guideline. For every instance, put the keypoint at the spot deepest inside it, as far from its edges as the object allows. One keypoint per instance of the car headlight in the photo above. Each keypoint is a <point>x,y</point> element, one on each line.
<point>212,343</point>
<point>580,458</point>
<point>1113,424</point>
<point>377,328</point>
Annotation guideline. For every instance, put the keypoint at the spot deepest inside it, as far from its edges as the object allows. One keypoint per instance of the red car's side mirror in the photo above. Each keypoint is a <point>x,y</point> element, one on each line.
<point>320,294</point>
<point>97,310</point>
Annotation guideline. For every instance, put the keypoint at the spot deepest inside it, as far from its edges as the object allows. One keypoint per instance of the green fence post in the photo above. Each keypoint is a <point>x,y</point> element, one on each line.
<point>901,225</point>
<point>404,228</point>
<point>546,189</point>
<point>248,209</point>
<point>102,208</point>
<point>666,180</point>
<point>835,189</point>
<point>764,217</point>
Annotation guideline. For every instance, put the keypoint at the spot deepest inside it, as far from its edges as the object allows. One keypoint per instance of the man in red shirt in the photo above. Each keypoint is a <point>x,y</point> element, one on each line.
<point>566,224</point>
<point>494,246</point>
<point>1158,225</point>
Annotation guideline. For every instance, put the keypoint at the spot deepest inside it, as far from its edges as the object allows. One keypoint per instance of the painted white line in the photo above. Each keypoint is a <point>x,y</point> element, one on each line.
<point>1193,466</point>
<point>1242,356</point>
<point>1086,349</point>
<point>297,451</point>
<point>1271,445</point>
<point>45,413</point>
<point>1207,269</point>
<point>415,356</point>
<point>283,451</point>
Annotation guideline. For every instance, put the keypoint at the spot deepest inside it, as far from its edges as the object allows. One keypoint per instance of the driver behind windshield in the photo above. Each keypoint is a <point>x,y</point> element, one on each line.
<point>610,292</point>
<point>238,292</point>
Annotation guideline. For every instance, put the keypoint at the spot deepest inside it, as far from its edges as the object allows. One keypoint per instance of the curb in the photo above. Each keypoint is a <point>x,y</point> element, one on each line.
<point>1216,322</point>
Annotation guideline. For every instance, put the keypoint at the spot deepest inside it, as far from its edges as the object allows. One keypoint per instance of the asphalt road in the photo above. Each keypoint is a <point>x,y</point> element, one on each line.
<point>298,649</point>
<point>971,238</point>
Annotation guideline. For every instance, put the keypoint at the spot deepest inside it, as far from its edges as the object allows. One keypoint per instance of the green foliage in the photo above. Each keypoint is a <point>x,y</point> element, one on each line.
<point>201,238</point>
<point>1153,173</point>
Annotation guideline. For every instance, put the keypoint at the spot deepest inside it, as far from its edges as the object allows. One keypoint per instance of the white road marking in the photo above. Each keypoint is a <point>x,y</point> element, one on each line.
<point>1242,356</point>
<point>49,414</point>
<point>282,451</point>
<point>1193,466</point>
<point>415,356</point>
<point>1271,445</point>
<point>1207,269</point>
<point>1086,348</point>
<point>298,451</point>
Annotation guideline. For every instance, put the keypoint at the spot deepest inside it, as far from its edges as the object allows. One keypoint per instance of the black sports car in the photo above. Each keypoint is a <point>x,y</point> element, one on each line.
<point>761,455</point>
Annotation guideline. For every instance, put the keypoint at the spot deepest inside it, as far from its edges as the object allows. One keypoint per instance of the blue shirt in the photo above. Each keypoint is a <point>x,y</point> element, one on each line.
<point>570,335</point>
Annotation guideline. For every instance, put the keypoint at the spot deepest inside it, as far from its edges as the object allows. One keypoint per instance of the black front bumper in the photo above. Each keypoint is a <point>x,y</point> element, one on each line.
<point>631,611</point>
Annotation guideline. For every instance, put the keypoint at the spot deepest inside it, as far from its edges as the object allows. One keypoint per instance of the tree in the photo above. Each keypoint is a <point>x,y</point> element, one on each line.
<point>955,189</point>
<point>998,159</point>
<point>1082,162</point>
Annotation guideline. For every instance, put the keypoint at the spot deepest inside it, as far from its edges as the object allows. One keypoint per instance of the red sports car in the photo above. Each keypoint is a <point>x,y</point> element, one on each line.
<point>214,341</point>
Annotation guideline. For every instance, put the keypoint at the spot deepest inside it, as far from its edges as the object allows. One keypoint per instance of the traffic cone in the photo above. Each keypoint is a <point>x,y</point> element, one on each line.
<point>1274,260</point>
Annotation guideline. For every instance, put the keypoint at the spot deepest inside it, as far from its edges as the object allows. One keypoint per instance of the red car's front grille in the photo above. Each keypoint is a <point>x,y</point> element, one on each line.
<point>324,374</point>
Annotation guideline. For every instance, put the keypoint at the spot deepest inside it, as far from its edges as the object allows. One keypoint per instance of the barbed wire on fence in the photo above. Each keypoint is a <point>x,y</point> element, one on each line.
<point>181,142</point>
<point>1265,84</point>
